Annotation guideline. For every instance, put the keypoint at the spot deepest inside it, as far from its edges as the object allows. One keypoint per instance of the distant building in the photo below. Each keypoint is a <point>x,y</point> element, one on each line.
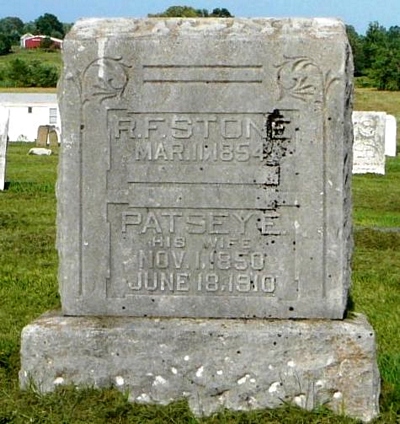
<point>30,41</point>
<point>23,38</point>
<point>28,111</point>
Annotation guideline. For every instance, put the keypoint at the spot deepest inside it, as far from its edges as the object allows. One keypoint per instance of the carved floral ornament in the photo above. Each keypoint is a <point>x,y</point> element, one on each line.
<point>104,78</point>
<point>298,77</point>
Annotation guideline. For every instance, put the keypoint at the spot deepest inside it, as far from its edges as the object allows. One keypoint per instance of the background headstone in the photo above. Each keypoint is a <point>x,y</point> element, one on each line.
<point>369,142</point>
<point>42,135</point>
<point>53,140</point>
<point>390,135</point>
<point>48,136</point>
<point>4,120</point>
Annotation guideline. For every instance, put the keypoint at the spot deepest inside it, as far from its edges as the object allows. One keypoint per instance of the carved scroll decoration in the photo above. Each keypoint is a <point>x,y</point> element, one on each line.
<point>104,78</point>
<point>295,79</point>
<point>302,79</point>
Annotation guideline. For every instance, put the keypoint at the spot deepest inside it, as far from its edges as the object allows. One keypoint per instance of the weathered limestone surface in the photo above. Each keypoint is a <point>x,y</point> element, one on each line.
<point>390,135</point>
<point>205,173</point>
<point>369,142</point>
<point>4,120</point>
<point>235,364</point>
<point>206,168</point>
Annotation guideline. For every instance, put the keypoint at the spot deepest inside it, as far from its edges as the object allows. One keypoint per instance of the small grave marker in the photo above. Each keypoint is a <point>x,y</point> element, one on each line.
<point>369,142</point>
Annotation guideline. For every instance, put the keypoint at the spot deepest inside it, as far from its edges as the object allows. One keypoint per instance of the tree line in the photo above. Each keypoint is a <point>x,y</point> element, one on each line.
<point>12,28</point>
<point>191,12</point>
<point>376,54</point>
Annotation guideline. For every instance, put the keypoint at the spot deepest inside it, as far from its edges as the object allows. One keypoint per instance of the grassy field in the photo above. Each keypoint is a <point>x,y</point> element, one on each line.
<point>32,58</point>
<point>53,57</point>
<point>28,287</point>
<point>28,90</point>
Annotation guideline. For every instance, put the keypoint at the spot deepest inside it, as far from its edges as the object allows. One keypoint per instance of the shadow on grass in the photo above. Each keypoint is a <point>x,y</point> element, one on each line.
<point>29,187</point>
<point>376,239</point>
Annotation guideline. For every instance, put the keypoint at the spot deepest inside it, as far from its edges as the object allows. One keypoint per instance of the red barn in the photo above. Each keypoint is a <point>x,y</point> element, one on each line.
<point>29,41</point>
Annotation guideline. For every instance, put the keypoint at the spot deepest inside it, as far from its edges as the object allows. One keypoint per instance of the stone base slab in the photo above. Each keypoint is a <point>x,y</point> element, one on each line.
<point>214,363</point>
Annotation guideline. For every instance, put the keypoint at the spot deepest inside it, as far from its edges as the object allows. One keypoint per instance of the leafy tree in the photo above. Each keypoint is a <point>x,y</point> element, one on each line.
<point>11,23</point>
<point>385,72</point>
<point>29,27</point>
<point>356,42</point>
<point>178,12</point>
<point>377,55</point>
<point>46,43</point>
<point>203,13</point>
<point>190,12</point>
<point>375,39</point>
<point>384,50</point>
<point>49,24</point>
<point>45,75</point>
<point>12,27</point>
<point>221,13</point>
<point>31,74</point>
<point>67,28</point>
<point>5,44</point>
<point>19,72</point>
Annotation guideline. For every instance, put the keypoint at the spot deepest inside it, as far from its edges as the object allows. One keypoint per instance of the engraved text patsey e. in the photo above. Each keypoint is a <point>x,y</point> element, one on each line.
<point>203,238</point>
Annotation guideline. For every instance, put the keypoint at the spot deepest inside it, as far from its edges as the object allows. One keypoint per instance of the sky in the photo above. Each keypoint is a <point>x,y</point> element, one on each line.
<point>358,13</point>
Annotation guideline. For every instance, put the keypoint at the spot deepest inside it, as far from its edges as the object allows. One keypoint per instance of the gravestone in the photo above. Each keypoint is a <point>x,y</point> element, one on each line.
<point>205,173</point>
<point>390,135</point>
<point>4,120</point>
<point>47,136</point>
<point>369,142</point>
<point>53,138</point>
<point>42,135</point>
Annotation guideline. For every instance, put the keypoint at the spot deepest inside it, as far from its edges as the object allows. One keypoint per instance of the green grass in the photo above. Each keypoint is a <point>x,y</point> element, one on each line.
<point>51,57</point>
<point>28,90</point>
<point>370,99</point>
<point>371,208</point>
<point>28,276</point>
<point>40,56</point>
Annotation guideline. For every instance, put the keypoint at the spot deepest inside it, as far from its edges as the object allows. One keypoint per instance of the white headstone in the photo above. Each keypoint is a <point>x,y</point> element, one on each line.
<point>369,142</point>
<point>4,120</point>
<point>390,135</point>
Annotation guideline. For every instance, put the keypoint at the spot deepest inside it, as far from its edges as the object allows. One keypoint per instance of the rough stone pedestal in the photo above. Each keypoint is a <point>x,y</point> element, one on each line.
<point>219,363</point>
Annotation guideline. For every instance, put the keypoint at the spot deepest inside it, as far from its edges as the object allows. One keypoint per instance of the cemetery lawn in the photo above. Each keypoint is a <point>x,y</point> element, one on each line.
<point>28,288</point>
<point>371,208</point>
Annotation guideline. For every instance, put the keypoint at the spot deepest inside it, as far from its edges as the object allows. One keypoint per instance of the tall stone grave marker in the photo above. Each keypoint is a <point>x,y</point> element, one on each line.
<point>196,172</point>
<point>205,173</point>
<point>4,120</point>
<point>390,135</point>
<point>369,142</point>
